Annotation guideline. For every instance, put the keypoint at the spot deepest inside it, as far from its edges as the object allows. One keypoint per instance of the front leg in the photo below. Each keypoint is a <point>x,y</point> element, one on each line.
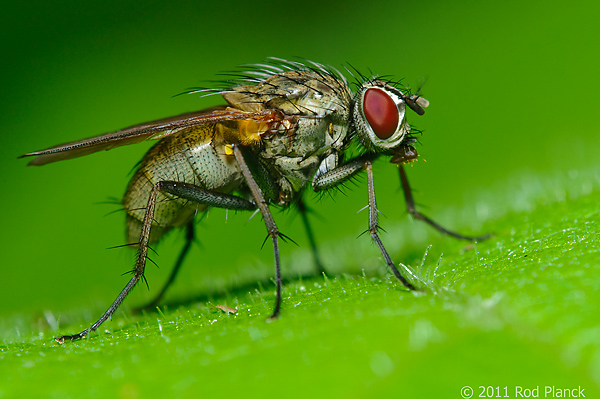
<point>341,174</point>
<point>410,206</point>
<point>373,227</point>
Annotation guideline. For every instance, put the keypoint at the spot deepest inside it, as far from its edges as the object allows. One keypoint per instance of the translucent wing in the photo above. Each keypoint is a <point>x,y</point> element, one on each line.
<point>147,131</point>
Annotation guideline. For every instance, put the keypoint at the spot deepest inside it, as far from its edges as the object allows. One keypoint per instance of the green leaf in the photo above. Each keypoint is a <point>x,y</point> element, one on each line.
<point>521,303</point>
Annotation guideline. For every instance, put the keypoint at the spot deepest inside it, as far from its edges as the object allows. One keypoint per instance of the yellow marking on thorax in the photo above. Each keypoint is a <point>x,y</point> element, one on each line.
<point>251,131</point>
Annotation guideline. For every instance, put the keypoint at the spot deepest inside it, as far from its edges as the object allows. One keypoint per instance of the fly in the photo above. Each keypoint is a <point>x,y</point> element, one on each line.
<point>286,126</point>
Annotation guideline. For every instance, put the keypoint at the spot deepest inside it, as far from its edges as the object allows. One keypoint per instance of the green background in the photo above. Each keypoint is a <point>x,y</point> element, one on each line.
<point>511,146</point>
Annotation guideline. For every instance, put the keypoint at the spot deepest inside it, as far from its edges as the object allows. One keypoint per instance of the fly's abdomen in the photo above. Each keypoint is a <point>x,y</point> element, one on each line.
<point>196,158</point>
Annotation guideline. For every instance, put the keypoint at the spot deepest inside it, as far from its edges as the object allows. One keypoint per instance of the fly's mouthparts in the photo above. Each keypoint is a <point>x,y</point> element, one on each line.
<point>404,154</point>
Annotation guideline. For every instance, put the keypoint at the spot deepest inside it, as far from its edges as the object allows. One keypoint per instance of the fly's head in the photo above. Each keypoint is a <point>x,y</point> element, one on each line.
<point>379,119</point>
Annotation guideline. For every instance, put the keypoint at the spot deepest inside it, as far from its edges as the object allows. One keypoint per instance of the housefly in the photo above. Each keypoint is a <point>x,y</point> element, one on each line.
<point>286,126</point>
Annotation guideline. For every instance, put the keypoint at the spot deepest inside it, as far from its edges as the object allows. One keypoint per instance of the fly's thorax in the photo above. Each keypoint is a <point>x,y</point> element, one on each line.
<point>378,116</point>
<point>316,107</point>
<point>294,93</point>
<point>296,154</point>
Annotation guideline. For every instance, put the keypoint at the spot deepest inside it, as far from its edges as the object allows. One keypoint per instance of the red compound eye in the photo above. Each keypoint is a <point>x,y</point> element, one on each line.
<point>381,112</point>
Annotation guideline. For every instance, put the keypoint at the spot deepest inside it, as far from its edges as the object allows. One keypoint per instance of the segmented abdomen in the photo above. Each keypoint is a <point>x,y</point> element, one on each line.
<point>196,157</point>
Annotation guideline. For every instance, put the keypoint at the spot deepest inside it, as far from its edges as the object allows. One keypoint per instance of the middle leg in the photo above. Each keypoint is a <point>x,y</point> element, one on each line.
<point>272,229</point>
<point>311,239</point>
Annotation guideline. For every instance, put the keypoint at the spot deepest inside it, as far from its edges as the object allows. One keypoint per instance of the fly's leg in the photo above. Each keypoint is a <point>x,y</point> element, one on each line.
<point>189,238</point>
<point>410,206</point>
<point>182,190</point>
<point>272,229</point>
<point>374,227</point>
<point>343,173</point>
<point>311,238</point>
<point>138,271</point>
